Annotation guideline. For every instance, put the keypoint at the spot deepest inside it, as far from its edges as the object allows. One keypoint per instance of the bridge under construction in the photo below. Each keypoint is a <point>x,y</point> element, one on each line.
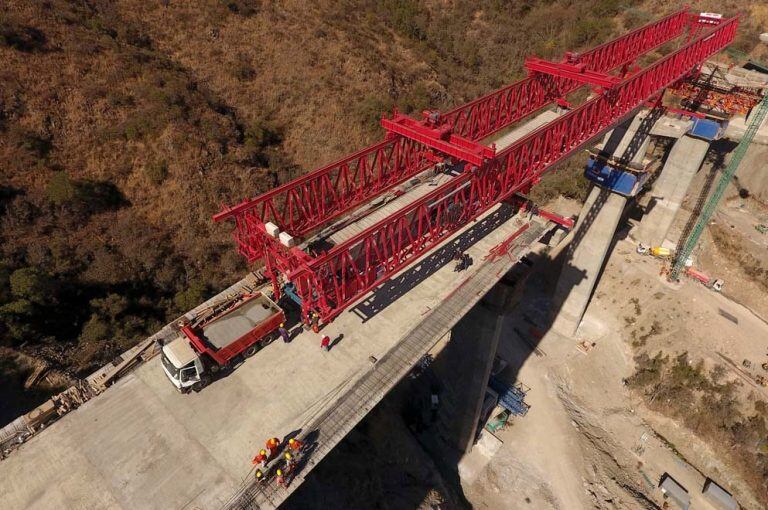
<point>366,245</point>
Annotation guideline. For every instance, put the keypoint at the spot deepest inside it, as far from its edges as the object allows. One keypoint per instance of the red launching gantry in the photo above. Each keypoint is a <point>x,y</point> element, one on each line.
<point>273,226</point>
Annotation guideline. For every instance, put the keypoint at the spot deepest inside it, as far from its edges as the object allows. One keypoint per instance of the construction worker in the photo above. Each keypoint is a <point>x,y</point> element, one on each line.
<point>325,343</point>
<point>284,333</point>
<point>295,445</point>
<point>464,262</point>
<point>289,461</point>
<point>280,477</point>
<point>261,458</point>
<point>272,445</point>
<point>314,320</point>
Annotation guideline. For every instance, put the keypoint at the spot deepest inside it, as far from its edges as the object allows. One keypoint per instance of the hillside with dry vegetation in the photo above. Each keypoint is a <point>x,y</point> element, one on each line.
<point>125,124</point>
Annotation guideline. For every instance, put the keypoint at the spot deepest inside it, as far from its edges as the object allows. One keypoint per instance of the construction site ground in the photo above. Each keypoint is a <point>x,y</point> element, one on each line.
<point>741,251</point>
<point>588,441</point>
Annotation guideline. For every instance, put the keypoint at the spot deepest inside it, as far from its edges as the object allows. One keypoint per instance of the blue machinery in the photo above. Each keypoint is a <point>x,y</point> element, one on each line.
<point>511,398</point>
<point>627,179</point>
<point>289,289</point>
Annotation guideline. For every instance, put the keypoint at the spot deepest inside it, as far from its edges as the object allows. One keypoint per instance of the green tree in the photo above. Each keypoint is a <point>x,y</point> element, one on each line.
<point>261,134</point>
<point>191,297</point>
<point>369,111</point>
<point>112,306</point>
<point>408,18</point>
<point>95,331</point>
<point>61,190</point>
<point>31,284</point>
<point>157,171</point>
<point>18,308</point>
<point>15,319</point>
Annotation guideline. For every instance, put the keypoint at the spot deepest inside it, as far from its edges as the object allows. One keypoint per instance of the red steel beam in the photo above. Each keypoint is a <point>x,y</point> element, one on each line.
<point>496,110</point>
<point>324,194</point>
<point>576,72</point>
<point>335,280</point>
<point>439,138</point>
<point>318,197</point>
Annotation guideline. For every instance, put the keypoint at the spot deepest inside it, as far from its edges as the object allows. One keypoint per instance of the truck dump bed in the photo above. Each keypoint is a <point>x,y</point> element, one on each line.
<point>237,329</point>
<point>238,322</point>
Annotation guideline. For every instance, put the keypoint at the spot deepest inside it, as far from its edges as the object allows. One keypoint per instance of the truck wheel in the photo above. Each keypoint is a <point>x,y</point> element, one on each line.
<point>202,383</point>
<point>250,351</point>
<point>268,340</point>
<point>214,368</point>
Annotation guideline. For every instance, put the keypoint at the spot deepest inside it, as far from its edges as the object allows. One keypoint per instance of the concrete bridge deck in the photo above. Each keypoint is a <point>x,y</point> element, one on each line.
<point>357,399</point>
<point>144,445</point>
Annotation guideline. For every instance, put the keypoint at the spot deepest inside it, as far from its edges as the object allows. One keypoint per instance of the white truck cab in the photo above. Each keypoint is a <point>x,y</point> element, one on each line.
<point>182,364</point>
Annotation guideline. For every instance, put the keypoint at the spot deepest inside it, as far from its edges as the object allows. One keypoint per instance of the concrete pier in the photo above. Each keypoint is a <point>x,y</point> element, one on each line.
<point>669,190</point>
<point>584,257</point>
<point>595,228</point>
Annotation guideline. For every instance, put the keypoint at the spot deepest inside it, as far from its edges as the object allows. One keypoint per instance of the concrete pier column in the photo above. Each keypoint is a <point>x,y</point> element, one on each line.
<point>670,188</point>
<point>596,227</point>
<point>466,363</point>
<point>584,258</point>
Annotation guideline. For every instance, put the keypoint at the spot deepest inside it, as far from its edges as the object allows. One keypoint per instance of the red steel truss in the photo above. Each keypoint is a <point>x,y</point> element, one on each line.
<point>332,281</point>
<point>492,112</point>
<point>324,194</point>
<point>303,204</point>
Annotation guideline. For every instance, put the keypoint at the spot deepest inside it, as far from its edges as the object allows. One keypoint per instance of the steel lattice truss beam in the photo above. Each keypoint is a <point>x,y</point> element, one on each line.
<point>331,282</point>
<point>320,196</point>
<point>302,205</point>
<point>492,112</point>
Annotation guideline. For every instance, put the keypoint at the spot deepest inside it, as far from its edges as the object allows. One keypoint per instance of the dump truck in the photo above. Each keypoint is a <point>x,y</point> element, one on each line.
<point>208,344</point>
